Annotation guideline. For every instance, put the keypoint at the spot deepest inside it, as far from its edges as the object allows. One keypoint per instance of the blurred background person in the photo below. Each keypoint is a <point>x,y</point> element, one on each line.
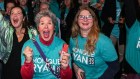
<point>9,5</point>
<point>65,7</point>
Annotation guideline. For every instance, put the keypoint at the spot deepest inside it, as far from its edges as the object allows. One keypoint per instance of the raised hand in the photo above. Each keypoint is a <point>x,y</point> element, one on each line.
<point>28,52</point>
<point>64,59</point>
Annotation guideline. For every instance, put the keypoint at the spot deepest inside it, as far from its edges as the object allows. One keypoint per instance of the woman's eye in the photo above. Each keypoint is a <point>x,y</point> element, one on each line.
<point>49,23</point>
<point>19,13</point>
<point>41,23</point>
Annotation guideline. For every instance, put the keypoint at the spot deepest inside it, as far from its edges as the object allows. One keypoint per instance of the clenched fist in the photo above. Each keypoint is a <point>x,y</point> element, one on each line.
<point>64,60</point>
<point>28,52</point>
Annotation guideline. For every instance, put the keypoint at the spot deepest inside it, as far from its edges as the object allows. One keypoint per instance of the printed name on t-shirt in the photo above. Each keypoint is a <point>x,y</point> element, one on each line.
<point>41,66</point>
<point>80,55</point>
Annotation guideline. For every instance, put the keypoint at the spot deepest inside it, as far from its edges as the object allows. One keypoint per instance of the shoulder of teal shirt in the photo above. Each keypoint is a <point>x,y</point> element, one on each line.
<point>106,47</point>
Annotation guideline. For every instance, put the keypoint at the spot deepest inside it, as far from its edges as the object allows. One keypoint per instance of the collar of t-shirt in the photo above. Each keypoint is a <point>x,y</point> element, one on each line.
<point>47,43</point>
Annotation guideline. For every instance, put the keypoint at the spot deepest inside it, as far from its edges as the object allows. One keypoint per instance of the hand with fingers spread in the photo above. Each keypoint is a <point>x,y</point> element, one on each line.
<point>64,59</point>
<point>28,54</point>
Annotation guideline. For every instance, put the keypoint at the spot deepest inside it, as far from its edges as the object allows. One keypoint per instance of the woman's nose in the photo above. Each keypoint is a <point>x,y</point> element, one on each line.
<point>85,19</point>
<point>46,26</point>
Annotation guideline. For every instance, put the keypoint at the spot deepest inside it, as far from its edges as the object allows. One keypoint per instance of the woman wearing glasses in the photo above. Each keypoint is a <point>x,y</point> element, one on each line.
<point>93,53</point>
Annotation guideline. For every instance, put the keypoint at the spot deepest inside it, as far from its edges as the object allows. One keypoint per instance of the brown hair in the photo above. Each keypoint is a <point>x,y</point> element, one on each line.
<point>25,24</point>
<point>92,35</point>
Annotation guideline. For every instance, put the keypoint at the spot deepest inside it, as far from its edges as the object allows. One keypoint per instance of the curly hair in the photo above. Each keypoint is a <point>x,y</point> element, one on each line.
<point>43,14</point>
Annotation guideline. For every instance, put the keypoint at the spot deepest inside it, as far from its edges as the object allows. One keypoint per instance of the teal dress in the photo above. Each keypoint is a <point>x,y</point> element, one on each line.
<point>133,46</point>
<point>94,65</point>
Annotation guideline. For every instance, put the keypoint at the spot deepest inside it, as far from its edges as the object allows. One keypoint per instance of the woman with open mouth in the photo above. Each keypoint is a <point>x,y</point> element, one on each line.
<point>12,37</point>
<point>46,56</point>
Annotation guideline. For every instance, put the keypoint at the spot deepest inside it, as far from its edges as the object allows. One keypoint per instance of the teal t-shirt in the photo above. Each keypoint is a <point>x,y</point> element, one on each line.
<point>133,46</point>
<point>41,70</point>
<point>94,65</point>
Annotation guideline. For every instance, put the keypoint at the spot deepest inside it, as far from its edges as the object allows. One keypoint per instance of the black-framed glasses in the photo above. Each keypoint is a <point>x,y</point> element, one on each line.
<point>82,17</point>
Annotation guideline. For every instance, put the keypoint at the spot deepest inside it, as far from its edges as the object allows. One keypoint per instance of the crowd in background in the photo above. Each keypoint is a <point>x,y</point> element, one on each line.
<point>103,37</point>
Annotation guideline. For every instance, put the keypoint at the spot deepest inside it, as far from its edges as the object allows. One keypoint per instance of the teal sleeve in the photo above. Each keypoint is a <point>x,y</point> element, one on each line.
<point>108,52</point>
<point>70,59</point>
<point>22,53</point>
<point>70,45</point>
<point>70,48</point>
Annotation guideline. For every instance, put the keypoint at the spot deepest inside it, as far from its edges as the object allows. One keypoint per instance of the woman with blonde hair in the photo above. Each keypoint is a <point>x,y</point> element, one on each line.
<point>94,56</point>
